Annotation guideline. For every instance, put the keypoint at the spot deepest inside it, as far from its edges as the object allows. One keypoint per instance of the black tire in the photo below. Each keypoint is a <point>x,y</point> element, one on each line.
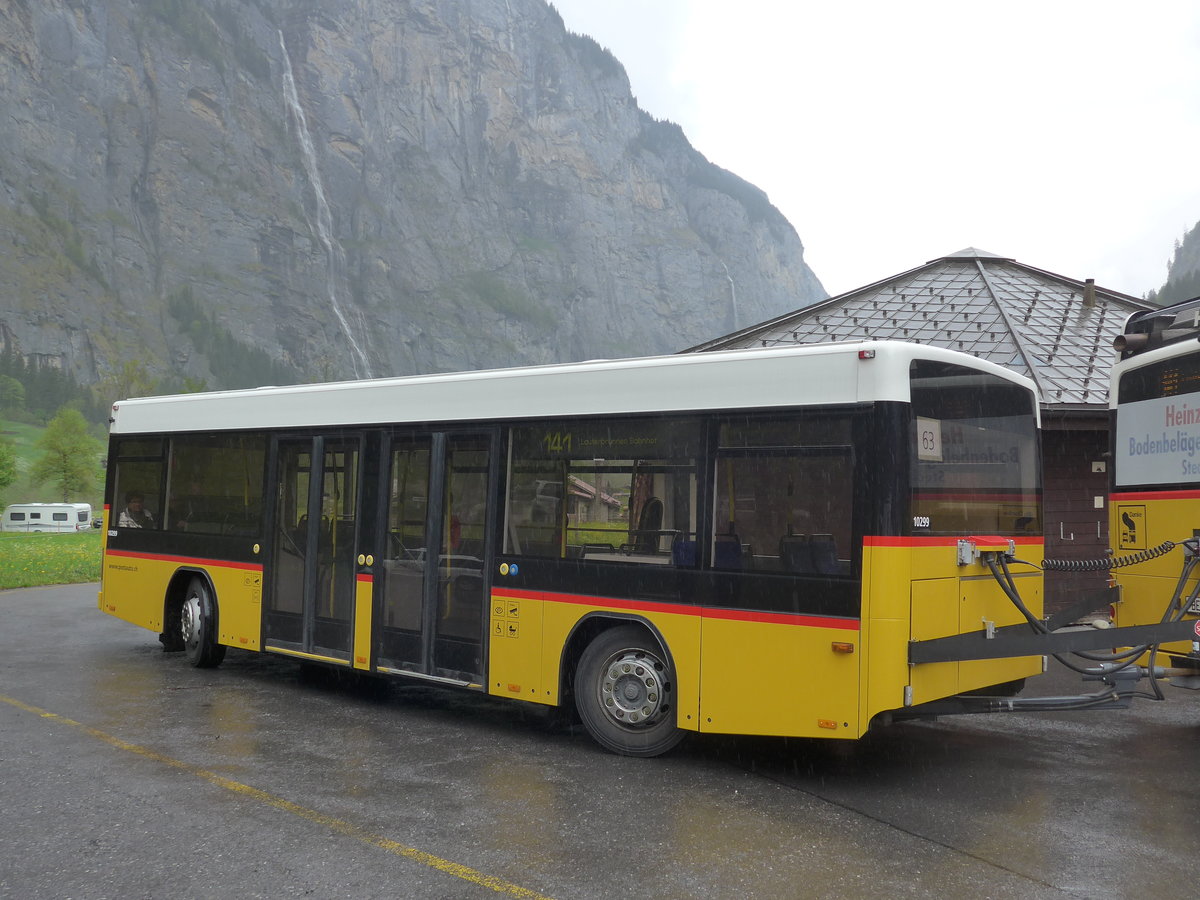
<point>625,693</point>
<point>172,634</point>
<point>198,626</point>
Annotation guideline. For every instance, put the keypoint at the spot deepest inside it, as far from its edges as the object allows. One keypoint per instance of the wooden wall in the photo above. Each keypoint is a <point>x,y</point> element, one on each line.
<point>1075,477</point>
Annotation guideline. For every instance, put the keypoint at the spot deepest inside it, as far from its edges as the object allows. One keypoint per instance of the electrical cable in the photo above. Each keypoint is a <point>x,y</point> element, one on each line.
<point>1010,591</point>
<point>1174,611</point>
<point>1108,563</point>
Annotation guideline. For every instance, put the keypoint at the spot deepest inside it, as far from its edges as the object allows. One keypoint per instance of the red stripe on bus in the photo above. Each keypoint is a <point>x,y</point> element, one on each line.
<point>186,560</point>
<point>685,609</point>
<point>1155,495</point>
<point>365,577</point>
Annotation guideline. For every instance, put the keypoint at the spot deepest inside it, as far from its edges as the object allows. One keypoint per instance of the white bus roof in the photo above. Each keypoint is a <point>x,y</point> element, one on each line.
<point>692,382</point>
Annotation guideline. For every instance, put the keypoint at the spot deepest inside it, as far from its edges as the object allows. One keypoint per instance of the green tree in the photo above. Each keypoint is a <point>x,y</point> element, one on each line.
<point>70,456</point>
<point>132,380</point>
<point>8,464</point>
<point>12,394</point>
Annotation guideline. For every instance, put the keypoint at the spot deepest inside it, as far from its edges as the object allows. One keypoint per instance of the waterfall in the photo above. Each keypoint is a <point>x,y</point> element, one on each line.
<point>322,228</point>
<point>732,294</point>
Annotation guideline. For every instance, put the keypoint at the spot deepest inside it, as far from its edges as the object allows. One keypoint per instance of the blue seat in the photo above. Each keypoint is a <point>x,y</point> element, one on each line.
<point>727,552</point>
<point>683,553</point>
<point>795,553</point>
<point>824,555</point>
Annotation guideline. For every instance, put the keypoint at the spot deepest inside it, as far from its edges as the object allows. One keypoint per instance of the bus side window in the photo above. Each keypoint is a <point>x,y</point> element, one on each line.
<point>215,484</point>
<point>576,491</point>
<point>790,511</point>
<point>140,471</point>
<point>784,487</point>
<point>535,497</point>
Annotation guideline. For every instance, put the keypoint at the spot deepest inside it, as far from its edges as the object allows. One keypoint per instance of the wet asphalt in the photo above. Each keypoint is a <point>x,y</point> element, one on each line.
<point>128,774</point>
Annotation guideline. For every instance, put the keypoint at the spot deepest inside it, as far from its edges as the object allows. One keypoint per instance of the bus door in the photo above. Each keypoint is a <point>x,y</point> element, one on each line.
<point>310,575</point>
<point>433,583</point>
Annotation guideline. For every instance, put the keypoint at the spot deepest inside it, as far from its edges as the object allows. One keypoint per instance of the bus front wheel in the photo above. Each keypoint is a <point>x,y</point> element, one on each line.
<point>625,693</point>
<point>198,623</point>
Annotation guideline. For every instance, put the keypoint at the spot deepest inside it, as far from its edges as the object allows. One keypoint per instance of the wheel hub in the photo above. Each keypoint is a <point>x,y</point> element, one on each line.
<point>632,691</point>
<point>189,620</point>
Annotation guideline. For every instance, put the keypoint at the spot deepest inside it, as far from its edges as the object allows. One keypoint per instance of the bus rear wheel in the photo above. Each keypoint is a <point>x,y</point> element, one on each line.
<point>198,623</point>
<point>625,693</point>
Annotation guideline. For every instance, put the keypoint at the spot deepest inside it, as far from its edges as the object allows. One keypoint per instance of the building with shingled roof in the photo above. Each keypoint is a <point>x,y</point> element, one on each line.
<point>1058,331</point>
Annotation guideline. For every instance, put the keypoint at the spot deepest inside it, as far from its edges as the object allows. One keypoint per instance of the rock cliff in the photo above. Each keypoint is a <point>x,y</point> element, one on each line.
<point>353,188</point>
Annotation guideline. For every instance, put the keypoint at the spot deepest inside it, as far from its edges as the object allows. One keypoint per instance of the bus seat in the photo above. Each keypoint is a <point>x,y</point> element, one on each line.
<point>824,555</point>
<point>727,551</point>
<point>796,553</point>
<point>683,553</point>
<point>645,538</point>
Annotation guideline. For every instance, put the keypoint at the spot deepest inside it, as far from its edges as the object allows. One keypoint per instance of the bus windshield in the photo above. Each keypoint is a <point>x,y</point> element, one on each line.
<point>975,461</point>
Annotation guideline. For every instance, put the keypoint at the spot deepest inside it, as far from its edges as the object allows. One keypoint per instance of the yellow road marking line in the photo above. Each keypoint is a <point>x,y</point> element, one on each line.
<point>341,826</point>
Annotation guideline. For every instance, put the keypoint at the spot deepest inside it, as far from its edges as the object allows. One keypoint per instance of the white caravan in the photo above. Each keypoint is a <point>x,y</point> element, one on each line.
<point>58,517</point>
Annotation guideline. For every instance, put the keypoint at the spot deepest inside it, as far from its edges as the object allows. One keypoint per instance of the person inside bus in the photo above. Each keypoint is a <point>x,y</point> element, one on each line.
<point>135,515</point>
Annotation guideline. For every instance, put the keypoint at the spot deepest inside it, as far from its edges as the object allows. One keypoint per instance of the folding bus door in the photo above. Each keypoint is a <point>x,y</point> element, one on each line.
<point>433,586</point>
<point>311,566</point>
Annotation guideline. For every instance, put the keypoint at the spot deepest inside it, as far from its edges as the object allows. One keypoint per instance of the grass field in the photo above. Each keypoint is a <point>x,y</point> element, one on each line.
<point>24,439</point>
<point>30,560</point>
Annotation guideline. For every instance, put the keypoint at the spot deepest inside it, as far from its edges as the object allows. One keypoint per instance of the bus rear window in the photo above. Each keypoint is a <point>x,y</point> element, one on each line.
<point>1169,378</point>
<point>1157,436</point>
<point>975,460</point>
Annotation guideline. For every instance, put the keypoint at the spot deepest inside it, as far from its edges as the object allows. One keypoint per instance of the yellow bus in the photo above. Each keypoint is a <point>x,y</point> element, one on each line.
<point>1155,501</point>
<point>741,542</point>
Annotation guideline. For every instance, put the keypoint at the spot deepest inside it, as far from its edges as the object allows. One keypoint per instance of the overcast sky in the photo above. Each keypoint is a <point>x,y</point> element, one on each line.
<point>1062,133</point>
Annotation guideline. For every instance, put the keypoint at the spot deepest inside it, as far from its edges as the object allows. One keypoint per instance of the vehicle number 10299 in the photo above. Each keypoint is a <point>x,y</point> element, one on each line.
<point>920,521</point>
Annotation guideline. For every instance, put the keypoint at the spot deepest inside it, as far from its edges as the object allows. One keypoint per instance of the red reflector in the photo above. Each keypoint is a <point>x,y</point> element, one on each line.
<point>866,354</point>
